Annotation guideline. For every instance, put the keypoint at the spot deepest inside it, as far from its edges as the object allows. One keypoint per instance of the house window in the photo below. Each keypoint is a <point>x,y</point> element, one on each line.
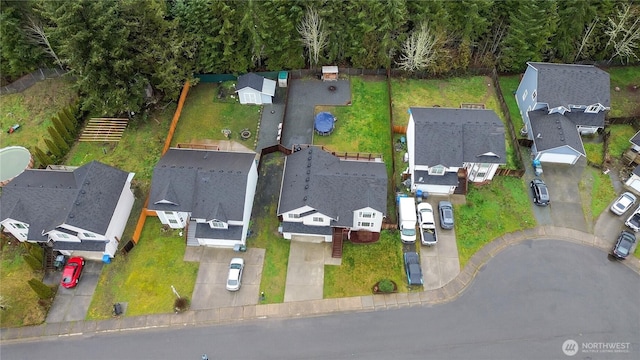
<point>367,215</point>
<point>317,219</point>
<point>217,224</point>
<point>62,236</point>
<point>173,221</point>
<point>24,235</point>
<point>592,109</point>
<point>524,94</point>
<point>436,170</point>
<point>365,224</point>
<point>18,226</point>
<point>88,235</point>
<point>482,170</point>
<point>294,216</point>
<point>534,94</point>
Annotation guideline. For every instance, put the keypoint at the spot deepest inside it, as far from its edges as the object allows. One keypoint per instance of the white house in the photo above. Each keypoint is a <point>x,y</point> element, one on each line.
<point>82,212</point>
<point>255,89</point>
<point>322,196</point>
<point>450,146</point>
<point>558,103</point>
<point>209,191</point>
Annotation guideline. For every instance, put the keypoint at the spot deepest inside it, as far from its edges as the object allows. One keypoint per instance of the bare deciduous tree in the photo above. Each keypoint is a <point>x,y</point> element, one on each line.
<point>419,50</point>
<point>586,38</point>
<point>36,33</point>
<point>314,36</point>
<point>624,33</point>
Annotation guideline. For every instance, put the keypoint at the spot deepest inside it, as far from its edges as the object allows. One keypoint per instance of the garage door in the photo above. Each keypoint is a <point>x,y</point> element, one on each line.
<point>558,158</point>
<point>308,238</point>
<point>438,189</point>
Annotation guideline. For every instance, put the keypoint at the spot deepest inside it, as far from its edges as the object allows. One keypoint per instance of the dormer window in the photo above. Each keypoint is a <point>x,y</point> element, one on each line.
<point>592,109</point>
<point>534,94</point>
<point>215,224</point>
<point>436,170</point>
<point>524,94</point>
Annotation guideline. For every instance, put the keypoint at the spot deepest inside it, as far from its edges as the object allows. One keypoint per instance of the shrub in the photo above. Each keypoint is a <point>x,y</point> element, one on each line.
<point>181,304</point>
<point>41,289</point>
<point>33,262</point>
<point>385,286</point>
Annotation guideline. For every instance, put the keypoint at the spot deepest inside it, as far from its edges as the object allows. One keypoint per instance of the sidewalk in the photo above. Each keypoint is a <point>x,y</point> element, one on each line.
<point>447,293</point>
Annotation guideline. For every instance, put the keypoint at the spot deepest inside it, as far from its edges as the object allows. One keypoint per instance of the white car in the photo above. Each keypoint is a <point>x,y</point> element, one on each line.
<point>234,279</point>
<point>623,203</point>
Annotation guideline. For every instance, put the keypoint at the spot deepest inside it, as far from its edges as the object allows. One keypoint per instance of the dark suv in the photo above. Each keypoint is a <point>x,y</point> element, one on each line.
<point>624,244</point>
<point>540,192</point>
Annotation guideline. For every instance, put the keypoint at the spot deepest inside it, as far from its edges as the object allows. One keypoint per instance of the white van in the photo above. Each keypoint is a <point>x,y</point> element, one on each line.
<point>407,219</point>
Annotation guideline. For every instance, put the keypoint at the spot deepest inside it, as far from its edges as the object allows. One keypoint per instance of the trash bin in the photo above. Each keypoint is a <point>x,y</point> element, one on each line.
<point>239,248</point>
<point>117,309</point>
<point>59,262</point>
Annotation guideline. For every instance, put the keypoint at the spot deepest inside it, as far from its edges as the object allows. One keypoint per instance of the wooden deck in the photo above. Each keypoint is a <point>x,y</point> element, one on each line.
<point>104,129</point>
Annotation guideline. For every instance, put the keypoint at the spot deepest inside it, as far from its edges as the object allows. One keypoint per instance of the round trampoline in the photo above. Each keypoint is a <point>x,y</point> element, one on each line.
<point>324,123</point>
<point>13,161</point>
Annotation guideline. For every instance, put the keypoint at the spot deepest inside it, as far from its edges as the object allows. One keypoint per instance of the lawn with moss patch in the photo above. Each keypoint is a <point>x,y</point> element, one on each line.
<point>626,102</point>
<point>596,191</point>
<point>204,116</point>
<point>495,209</point>
<point>619,139</point>
<point>509,84</point>
<point>595,152</point>
<point>143,278</point>
<point>363,265</point>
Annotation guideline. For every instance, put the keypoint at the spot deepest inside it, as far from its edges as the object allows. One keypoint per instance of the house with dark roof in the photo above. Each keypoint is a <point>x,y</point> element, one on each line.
<point>559,103</point>
<point>324,198</point>
<point>448,147</point>
<point>80,212</point>
<point>255,89</point>
<point>209,192</point>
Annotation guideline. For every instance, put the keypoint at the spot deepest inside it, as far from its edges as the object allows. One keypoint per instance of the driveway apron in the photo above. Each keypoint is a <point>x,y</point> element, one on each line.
<point>73,304</point>
<point>305,271</point>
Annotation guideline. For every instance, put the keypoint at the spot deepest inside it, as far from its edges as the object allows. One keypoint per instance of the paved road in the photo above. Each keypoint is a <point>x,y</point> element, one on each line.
<point>524,304</point>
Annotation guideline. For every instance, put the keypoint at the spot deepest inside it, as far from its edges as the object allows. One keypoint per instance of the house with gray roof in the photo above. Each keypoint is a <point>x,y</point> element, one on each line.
<point>559,103</point>
<point>209,192</point>
<point>255,89</point>
<point>324,198</point>
<point>448,147</point>
<point>79,212</point>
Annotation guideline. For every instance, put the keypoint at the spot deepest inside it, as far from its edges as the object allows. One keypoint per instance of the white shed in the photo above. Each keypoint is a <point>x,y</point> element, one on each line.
<point>255,89</point>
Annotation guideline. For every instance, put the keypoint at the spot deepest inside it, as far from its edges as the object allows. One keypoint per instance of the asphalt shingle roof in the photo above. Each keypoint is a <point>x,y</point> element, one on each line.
<point>452,137</point>
<point>209,184</point>
<point>635,140</point>
<point>568,84</point>
<point>84,198</point>
<point>552,131</point>
<point>332,186</point>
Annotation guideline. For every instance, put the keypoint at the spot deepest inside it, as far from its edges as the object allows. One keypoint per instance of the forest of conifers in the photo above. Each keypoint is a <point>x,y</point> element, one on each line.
<point>117,48</point>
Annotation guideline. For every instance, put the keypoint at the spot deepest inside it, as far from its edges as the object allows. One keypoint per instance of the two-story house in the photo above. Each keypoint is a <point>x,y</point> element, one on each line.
<point>559,103</point>
<point>322,195</point>
<point>449,146</point>
<point>82,212</point>
<point>209,191</point>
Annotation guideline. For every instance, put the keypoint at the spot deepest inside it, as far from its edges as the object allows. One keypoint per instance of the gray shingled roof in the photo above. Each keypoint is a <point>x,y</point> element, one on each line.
<point>568,84</point>
<point>551,131</point>
<point>250,80</point>
<point>205,231</point>
<point>635,140</point>
<point>452,137</point>
<point>448,178</point>
<point>85,198</point>
<point>209,184</point>
<point>332,186</point>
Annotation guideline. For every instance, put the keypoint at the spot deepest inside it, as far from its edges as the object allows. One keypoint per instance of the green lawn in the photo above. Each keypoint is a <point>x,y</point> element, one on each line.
<point>626,102</point>
<point>596,191</point>
<point>22,308</point>
<point>501,207</point>
<point>143,278</point>
<point>33,109</point>
<point>595,152</point>
<point>509,85</point>
<point>204,116</point>
<point>363,265</point>
<point>619,139</point>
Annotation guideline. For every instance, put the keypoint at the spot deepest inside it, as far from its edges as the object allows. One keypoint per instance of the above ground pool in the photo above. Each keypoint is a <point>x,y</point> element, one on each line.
<point>323,123</point>
<point>13,161</point>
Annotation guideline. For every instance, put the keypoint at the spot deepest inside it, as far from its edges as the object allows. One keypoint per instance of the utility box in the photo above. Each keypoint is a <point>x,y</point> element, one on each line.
<point>283,77</point>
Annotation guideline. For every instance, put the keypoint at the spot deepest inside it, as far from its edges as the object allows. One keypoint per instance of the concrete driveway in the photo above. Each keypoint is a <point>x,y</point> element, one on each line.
<point>305,270</point>
<point>210,290</point>
<point>73,304</point>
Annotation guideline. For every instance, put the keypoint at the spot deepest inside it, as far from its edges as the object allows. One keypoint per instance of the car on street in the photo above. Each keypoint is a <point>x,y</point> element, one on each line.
<point>234,280</point>
<point>412,268</point>
<point>623,246</point>
<point>540,192</point>
<point>71,272</point>
<point>623,203</point>
<point>446,214</point>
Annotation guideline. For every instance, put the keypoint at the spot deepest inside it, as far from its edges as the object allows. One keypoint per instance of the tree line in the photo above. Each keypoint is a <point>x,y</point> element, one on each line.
<point>127,54</point>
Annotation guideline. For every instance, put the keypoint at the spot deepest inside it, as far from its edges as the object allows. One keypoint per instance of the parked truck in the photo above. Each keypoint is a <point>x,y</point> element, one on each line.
<point>633,221</point>
<point>407,219</point>
<point>427,224</point>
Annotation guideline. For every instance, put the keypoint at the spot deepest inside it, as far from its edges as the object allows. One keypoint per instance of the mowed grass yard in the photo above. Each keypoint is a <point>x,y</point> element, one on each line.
<point>204,116</point>
<point>33,109</point>
<point>626,101</point>
<point>143,278</point>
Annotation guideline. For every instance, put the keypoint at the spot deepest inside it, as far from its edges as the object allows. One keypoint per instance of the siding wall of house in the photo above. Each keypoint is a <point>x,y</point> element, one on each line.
<point>375,220</point>
<point>266,99</point>
<point>19,233</point>
<point>119,219</point>
<point>180,217</point>
<point>252,182</point>
<point>411,130</point>
<point>474,168</point>
<point>524,94</point>
<point>249,96</point>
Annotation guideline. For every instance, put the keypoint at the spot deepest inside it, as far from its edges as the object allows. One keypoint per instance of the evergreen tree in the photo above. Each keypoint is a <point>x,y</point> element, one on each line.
<point>62,130</point>
<point>54,149</point>
<point>574,17</point>
<point>33,262</point>
<point>41,289</point>
<point>43,159</point>
<point>58,140</point>
<point>68,124</point>
<point>18,56</point>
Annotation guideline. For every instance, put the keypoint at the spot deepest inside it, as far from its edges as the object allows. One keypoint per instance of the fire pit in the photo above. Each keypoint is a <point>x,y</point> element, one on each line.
<point>245,134</point>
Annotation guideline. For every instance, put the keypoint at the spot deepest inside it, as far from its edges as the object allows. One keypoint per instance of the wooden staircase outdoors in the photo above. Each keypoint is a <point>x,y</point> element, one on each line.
<point>338,239</point>
<point>191,234</point>
<point>49,258</point>
<point>461,189</point>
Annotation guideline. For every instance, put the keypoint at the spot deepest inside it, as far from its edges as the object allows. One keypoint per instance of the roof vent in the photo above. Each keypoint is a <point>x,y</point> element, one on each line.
<point>221,171</point>
<point>307,179</point>
<point>77,203</point>
<point>309,158</point>
<point>308,171</point>
<point>305,198</point>
<point>81,191</point>
<point>306,187</point>
<point>71,216</point>
<point>87,182</point>
<point>199,167</point>
<point>310,150</point>
<point>164,166</point>
<point>308,165</point>
<point>212,170</point>
<point>538,136</point>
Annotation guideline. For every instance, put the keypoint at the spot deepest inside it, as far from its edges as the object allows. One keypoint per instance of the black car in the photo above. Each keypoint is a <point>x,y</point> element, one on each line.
<point>413,269</point>
<point>540,192</point>
<point>624,244</point>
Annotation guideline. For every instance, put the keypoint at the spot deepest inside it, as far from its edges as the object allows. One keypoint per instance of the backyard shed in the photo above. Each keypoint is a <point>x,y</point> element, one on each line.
<point>330,73</point>
<point>255,89</point>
